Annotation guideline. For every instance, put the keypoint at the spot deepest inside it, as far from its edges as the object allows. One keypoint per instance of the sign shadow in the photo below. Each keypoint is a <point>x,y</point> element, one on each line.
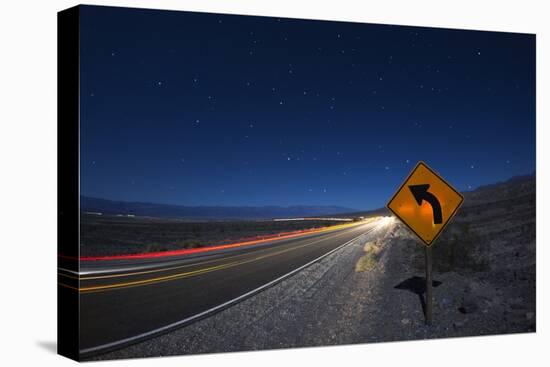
<point>417,285</point>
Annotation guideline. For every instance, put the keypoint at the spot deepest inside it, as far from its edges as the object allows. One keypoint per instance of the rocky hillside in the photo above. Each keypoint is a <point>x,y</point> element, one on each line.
<point>487,257</point>
<point>494,230</point>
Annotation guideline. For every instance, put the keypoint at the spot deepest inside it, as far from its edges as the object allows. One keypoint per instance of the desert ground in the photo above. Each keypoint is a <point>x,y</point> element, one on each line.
<point>111,235</point>
<point>372,290</point>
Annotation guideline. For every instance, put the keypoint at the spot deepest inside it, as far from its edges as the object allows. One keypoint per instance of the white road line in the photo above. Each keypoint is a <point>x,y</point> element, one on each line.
<point>216,308</point>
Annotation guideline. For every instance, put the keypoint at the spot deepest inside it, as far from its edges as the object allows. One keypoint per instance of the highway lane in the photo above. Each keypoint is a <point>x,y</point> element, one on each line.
<point>122,302</point>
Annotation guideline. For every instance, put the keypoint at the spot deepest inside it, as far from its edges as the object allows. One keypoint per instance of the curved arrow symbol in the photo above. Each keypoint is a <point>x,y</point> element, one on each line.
<point>420,192</point>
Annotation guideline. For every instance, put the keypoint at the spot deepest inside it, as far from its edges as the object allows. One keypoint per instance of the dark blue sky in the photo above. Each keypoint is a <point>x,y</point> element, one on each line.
<point>207,109</point>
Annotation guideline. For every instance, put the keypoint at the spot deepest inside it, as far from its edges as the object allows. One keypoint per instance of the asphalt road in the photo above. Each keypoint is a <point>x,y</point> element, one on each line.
<point>122,302</point>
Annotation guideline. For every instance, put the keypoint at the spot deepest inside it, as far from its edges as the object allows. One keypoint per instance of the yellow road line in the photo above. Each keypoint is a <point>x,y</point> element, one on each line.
<point>190,273</point>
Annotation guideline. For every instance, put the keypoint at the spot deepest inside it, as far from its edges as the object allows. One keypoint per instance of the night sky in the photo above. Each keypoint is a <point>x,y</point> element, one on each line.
<point>208,109</point>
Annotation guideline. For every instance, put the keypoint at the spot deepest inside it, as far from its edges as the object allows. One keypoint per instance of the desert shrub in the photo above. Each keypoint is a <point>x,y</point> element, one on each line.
<point>458,249</point>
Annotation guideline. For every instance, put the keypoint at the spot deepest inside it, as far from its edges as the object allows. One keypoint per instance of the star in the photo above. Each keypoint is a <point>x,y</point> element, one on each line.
<point>159,83</point>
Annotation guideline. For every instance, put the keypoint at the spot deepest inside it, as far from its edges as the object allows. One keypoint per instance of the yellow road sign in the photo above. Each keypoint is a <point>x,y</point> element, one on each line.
<point>425,203</point>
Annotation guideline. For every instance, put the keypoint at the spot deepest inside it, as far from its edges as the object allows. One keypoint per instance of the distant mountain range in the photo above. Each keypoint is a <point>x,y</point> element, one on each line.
<point>492,192</point>
<point>112,207</point>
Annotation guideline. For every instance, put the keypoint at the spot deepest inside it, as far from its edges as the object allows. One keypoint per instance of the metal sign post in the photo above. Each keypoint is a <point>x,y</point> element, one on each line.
<point>429,282</point>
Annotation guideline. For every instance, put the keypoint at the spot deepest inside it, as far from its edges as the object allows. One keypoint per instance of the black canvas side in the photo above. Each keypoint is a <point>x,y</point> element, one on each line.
<point>68,180</point>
